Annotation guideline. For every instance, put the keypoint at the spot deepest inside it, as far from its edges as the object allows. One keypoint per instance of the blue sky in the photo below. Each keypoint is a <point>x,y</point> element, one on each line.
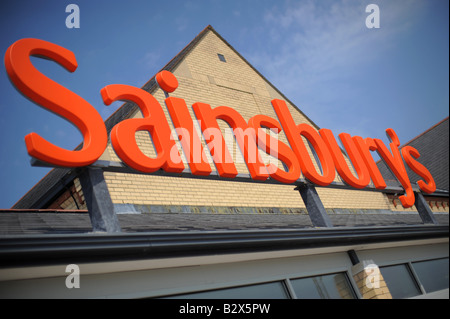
<point>320,54</point>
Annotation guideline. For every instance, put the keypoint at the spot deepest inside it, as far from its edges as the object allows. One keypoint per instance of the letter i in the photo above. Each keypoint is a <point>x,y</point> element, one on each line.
<point>181,118</point>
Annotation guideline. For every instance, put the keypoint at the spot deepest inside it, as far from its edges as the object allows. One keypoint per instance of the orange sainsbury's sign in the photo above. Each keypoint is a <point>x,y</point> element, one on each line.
<point>249,135</point>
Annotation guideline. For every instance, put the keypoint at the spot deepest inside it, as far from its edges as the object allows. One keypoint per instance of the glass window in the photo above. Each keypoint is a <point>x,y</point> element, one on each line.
<point>432,274</point>
<point>221,57</point>
<point>334,286</point>
<point>400,282</point>
<point>272,290</point>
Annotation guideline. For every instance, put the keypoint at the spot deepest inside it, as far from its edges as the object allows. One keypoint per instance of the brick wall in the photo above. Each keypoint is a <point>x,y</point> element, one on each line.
<point>72,198</point>
<point>369,280</point>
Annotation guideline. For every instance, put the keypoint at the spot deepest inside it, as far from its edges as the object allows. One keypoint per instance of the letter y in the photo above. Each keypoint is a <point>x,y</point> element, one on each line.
<point>396,165</point>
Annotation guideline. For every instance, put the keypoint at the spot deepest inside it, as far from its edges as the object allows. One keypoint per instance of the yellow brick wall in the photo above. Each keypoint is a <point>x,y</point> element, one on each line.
<point>380,291</point>
<point>203,78</point>
<point>162,190</point>
<point>66,201</point>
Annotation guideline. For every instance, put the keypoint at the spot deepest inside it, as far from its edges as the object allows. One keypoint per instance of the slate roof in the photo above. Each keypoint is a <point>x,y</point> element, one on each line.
<point>62,222</point>
<point>433,148</point>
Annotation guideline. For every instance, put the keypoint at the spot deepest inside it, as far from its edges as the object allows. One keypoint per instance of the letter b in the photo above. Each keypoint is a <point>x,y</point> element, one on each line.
<point>226,308</point>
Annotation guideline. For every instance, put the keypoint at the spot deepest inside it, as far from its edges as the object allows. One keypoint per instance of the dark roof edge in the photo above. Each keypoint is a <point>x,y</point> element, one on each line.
<point>425,132</point>
<point>56,249</point>
<point>41,191</point>
<point>418,136</point>
<point>37,210</point>
<point>128,108</point>
<point>151,85</point>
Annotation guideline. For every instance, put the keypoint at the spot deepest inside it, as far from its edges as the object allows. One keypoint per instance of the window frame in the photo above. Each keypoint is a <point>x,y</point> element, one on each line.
<point>410,267</point>
<point>413,271</point>
<point>349,279</point>
<point>285,282</point>
<point>410,272</point>
<point>282,282</point>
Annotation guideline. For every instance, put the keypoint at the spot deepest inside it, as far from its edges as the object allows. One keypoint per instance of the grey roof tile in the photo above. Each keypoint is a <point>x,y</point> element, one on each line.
<point>24,223</point>
<point>433,146</point>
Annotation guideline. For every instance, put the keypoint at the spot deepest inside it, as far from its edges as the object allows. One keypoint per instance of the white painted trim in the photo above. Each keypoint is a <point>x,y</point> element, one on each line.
<point>440,294</point>
<point>163,263</point>
<point>170,276</point>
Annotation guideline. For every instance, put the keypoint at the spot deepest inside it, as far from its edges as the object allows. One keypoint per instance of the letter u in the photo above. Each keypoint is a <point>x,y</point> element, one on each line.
<point>363,176</point>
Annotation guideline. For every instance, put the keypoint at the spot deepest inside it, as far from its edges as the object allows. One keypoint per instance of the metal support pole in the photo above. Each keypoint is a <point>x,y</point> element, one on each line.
<point>353,257</point>
<point>98,201</point>
<point>314,206</point>
<point>424,209</point>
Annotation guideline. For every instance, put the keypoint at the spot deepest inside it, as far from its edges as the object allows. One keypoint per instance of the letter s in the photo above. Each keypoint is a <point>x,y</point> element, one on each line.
<point>58,99</point>
<point>276,148</point>
<point>409,155</point>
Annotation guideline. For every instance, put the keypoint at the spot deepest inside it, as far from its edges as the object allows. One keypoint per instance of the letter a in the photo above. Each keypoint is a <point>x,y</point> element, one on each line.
<point>123,135</point>
<point>73,280</point>
<point>73,19</point>
<point>373,19</point>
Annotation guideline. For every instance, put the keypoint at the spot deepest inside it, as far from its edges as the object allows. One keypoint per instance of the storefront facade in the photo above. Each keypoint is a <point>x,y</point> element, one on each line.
<point>169,234</point>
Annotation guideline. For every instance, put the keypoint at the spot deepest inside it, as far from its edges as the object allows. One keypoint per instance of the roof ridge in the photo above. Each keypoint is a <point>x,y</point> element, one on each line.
<point>423,133</point>
<point>151,83</point>
<point>262,76</point>
<point>418,136</point>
